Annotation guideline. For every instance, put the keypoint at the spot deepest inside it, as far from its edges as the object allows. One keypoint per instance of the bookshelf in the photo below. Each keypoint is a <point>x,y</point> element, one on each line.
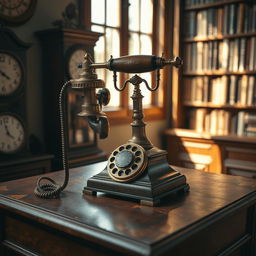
<point>214,94</point>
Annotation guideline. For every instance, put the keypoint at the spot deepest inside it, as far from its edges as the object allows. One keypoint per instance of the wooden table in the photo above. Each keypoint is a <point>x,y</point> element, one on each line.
<point>217,217</point>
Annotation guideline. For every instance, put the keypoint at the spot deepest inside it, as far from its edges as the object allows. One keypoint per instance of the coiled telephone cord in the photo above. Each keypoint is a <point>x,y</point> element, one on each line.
<point>52,189</point>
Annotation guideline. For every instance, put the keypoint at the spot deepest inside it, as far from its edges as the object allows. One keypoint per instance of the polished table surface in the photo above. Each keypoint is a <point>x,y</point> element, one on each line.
<point>126,226</point>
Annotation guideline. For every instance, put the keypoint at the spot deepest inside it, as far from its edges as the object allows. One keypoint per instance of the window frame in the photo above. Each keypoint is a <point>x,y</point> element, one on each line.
<point>123,114</point>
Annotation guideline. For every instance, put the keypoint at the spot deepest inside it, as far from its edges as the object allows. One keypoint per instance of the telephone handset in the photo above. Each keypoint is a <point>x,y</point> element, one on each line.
<point>136,169</point>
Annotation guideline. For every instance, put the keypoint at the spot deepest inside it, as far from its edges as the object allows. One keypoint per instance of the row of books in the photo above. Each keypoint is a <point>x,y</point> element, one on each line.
<point>204,23</point>
<point>228,55</point>
<point>230,90</point>
<point>222,122</point>
<point>231,19</point>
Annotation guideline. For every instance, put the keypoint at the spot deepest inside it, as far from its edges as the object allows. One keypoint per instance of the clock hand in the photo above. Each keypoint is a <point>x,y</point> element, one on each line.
<point>7,131</point>
<point>4,75</point>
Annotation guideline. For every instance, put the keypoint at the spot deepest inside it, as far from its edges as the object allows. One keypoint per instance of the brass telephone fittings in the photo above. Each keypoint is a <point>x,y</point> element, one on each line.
<point>127,162</point>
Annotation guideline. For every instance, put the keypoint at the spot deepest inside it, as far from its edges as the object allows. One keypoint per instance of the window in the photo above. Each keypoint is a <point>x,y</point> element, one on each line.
<point>128,29</point>
<point>105,17</point>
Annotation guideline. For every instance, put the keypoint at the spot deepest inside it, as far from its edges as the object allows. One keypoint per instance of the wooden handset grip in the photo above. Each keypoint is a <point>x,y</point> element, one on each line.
<point>137,63</point>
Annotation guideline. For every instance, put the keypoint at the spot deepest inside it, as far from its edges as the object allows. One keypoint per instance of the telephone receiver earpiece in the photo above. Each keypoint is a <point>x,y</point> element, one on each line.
<point>97,119</point>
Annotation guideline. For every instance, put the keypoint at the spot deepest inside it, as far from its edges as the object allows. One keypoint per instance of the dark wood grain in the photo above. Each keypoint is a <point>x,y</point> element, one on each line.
<point>25,166</point>
<point>130,228</point>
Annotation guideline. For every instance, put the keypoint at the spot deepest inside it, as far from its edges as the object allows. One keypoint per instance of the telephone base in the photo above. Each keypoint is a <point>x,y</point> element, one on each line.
<point>158,181</point>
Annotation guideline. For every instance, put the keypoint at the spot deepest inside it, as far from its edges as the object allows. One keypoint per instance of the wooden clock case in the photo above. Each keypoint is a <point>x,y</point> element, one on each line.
<point>21,163</point>
<point>57,43</point>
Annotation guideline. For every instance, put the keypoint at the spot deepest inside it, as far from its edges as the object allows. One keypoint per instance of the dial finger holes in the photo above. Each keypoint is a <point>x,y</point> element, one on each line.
<point>127,162</point>
<point>134,166</point>
<point>137,159</point>
<point>138,153</point>
<point>128,147</point>
<point>134,149</point>
<point>128,171</point>
<point>114,170</point>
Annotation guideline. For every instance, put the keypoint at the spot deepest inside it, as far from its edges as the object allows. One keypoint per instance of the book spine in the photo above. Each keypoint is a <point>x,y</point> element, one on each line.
<point>240,23</point>
<point>240,123</point>
<point>226,19</point>
<point>231,55</point>
<point>220,21</point>
<point>251,82</point>
<point>205,89</point>
<point>252,55</point>
<point>242,54</point>
<point>244,89</point>
<point>235,55</point>
<point>205,56</point>
<point>225,54</point>
<point>232,94</point>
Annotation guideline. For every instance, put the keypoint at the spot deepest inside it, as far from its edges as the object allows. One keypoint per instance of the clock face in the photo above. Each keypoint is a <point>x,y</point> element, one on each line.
<point>12,134</point>
<point>10,74</point>
<point>76,58</point>
<point>16,11</point>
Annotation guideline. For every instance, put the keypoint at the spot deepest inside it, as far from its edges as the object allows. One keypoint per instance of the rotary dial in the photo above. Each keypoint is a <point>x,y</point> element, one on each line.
<point>127,162</point>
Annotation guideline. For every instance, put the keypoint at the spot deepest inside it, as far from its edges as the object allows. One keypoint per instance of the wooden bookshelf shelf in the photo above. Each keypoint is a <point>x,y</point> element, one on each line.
<point>219,37</point>
<point>188,133</point>
<point>214,94</point>
<point>212,5</point>
<point>220,106</point>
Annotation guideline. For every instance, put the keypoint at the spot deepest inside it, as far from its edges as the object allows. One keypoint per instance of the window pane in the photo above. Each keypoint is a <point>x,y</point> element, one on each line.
<point>98,11</point>
<point>141,45</point>
<point>112,48</point>
<point>99,29</point>
<point>134,18</point>
<point>146,43</point>
<point>134,44</point>
<point>99,49</point>
<point>113,42</point>
<point>113,13</point>
<point>146,15</point>
<point>144,91</point>
<point>160,28</point>
<point>115,95</point>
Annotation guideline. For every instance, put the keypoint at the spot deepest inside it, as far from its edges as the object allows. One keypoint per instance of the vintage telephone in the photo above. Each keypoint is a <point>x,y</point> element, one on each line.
<point>135,169</point>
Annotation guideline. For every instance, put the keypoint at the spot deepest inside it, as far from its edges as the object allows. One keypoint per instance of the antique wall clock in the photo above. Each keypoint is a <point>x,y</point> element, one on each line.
<point>11,73</point>
<point>63,50</point>
<point>16,158</point>
<point>12,133</point>
<point>14,12</point>
<point>75,56</point>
